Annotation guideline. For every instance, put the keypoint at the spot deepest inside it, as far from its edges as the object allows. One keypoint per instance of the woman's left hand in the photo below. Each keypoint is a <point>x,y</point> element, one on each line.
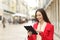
<point>29,33</point>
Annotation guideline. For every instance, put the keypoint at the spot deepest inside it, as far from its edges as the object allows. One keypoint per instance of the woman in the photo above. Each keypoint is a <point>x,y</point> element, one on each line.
<point>43,27</point>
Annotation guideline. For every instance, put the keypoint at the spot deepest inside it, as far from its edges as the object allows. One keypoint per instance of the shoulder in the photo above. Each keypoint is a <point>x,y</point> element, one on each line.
<point>50,26</point>
<point>36,23</point>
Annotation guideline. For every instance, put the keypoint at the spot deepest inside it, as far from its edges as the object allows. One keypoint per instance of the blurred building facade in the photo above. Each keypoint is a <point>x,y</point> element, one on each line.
<point>1,12</point>
<point>14,6</point>
<point>21,7</point>
<point>52,8</point>
<point>1,9</point>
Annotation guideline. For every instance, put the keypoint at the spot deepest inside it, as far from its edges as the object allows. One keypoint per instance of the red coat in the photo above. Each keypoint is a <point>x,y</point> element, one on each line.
<point>46,35</point>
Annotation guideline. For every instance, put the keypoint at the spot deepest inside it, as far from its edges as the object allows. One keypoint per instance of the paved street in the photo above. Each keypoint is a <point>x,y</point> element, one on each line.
<point>15,32</point>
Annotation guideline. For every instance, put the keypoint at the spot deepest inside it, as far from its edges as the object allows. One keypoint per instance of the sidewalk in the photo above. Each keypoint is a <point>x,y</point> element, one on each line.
<point>14,32</point>
<point>56,37</point>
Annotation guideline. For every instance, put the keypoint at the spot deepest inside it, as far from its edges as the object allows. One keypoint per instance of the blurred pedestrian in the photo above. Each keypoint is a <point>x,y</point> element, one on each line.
<point>3,22</point>
<point>9,21</point>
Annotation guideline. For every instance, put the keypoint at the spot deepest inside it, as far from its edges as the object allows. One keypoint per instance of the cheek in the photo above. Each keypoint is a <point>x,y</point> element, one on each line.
<point>39,17</point>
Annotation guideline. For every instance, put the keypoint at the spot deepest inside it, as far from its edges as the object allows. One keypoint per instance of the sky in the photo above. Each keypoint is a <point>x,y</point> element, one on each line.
<point>31,3</point>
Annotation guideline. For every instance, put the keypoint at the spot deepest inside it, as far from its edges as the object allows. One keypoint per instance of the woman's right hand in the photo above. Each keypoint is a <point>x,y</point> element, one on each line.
<point>29,33</point>
<point>37,31</point>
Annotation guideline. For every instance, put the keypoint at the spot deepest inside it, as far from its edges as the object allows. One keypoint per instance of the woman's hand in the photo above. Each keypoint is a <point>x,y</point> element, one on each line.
<point>38,31</point>
<point>29,33</point>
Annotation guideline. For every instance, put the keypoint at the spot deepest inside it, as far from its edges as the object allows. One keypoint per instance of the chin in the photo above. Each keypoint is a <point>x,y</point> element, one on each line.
<point>39,20</point>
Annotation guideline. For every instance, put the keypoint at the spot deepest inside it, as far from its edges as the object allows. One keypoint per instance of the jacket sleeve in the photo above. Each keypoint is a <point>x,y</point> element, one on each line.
<point>49,34</point>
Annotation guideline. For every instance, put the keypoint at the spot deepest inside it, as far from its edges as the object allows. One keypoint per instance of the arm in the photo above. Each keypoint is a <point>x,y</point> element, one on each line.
<point>31,36</point>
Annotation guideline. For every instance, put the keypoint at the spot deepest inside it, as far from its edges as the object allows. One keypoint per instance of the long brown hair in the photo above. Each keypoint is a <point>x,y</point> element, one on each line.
<point>43,14</point>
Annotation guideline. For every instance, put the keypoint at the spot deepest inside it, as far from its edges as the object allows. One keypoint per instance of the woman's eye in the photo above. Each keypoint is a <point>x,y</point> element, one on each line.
<point>38,15</point>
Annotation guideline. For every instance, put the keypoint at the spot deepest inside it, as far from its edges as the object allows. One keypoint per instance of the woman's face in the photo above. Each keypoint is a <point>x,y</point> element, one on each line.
<point>39,16</point>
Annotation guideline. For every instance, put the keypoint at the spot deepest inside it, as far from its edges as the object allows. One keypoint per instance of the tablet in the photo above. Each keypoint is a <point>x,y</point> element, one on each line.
<point>30,28</point>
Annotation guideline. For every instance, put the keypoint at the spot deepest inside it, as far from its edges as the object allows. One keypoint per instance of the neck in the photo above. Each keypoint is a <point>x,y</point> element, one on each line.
<point>42,22</point>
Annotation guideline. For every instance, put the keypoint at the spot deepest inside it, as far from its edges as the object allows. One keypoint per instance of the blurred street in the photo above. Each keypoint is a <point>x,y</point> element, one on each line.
<point>15,14</point>
<point>13,32</point>
<point>16,32</point>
